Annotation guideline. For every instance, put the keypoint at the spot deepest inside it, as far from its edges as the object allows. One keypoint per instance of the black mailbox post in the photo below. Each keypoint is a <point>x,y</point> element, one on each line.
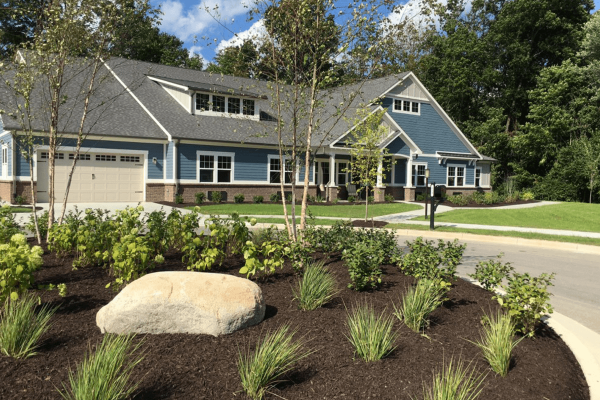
<point>434,205</point>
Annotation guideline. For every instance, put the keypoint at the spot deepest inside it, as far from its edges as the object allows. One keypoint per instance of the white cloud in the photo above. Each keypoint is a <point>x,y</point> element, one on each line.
<point>185,23</point>
<point>196,50</point>
<point>255,31</point>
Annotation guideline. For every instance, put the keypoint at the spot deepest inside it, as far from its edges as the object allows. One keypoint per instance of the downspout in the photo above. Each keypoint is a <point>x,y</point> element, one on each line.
<point>175,171</point>
<point>13,168</point>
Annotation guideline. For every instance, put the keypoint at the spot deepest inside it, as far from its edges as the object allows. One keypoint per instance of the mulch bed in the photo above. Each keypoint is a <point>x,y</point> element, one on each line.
<point>210,203</point>
<point>361,223</point>
<point>204,367</point>
<point>475,205</point>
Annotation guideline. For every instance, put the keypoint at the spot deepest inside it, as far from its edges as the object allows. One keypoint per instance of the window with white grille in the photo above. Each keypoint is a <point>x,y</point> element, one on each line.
<point>105,157</point>
<point>135,159</point>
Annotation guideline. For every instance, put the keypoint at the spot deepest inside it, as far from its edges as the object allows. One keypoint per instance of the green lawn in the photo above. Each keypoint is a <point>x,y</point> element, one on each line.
<point>17,209</point>
<point>567,216</point>
<point>317,221</point>
<point>338,211</point>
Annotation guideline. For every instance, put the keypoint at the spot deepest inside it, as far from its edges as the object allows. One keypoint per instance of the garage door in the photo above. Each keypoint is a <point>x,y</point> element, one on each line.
<point>98,177</point>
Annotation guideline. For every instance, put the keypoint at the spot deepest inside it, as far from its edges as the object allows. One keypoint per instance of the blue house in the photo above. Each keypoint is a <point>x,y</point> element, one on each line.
<point>155,131</point>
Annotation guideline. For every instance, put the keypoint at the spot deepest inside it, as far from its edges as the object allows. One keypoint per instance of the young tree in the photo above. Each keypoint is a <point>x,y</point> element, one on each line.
<point>367,166</point>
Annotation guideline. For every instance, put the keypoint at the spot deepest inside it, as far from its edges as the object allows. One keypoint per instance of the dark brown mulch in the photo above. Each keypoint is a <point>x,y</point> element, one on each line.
<point>203,367</point>
<point>368,224</point>
<point>475,205</point>
<point>209,203</point>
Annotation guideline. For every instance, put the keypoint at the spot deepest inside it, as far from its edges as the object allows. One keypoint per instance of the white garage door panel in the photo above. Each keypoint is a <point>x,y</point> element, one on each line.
<point>94,180</point>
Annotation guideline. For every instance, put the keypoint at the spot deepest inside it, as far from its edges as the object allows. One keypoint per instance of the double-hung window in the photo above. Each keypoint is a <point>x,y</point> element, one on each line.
<point>418,174</point>
<point>477,177</point>
<point>342,174</point>
<point>233,105</point>
<point>456,175</point>
<point>215,167</point>
<point>275,170</point>
<point>214,103</point>
<point>4,161</point>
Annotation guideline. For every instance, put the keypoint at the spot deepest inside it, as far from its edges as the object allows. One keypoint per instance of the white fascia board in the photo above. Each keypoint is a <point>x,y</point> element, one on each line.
<point>445,116</point>
<point>379,108</point>
<point>168,83</point>
<point>138,101</point>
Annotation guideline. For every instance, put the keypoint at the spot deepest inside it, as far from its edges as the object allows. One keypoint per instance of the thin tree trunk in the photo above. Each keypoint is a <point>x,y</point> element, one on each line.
<point>38,236</point>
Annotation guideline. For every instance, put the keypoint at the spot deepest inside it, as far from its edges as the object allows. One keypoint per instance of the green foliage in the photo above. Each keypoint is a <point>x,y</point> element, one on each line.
<point>319,199</point>
<point>299,254</point>
<point>20,200</point>
<point>351,199</point>
<point>274,197</point>
<point>18,261</point>
<point>527,299</point>
<point>310,198</point>
<point>316,287</point>
<point>527,195</point>
<point>459,199</point>
<point>258,199</point>
<point>21,326</point>
<point>419,302</point>
<point>389,198</point>
<point>288,198</point>
<point>263,259</point>
<point>106,373</point>
<point>454,382</point>
<point>425,260</point>
<point>62,239</point>
<point>372,336</point>
<point>237,61</point>
<point>497,342</point>
<point>42,224</point>
<point>8,225</point>
<point>179,198</point>
<point>490,273</point>
<point>238,198</point>
<point>275,355</point>
<point>216,197</point>
<point>364,259</point>
<point>200,197</point>
<point>420,197</point>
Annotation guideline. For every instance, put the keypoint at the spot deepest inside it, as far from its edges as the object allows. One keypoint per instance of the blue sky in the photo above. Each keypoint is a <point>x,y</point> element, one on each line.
<point>201,33</point>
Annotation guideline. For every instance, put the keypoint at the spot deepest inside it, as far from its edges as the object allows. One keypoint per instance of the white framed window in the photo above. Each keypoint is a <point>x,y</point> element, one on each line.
<point>57,156</point>
<point>221,104</point>
<point>342,174</point>
<point>134,159</point>
<point>106,157</point>
<point>407,106</point>
<point>418,174</point>
<point>456,175</point>
<point>477,177</point>
<point>215,167</point>
<point>4,155</point>
<point>275,170</point>
<point>85,157</point>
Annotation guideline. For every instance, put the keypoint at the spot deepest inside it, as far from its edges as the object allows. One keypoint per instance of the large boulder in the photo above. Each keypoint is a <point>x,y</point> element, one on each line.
<point>184,302</point>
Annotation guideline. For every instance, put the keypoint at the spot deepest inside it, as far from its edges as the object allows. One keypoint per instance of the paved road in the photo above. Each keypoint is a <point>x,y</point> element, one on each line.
<point>577,283</point>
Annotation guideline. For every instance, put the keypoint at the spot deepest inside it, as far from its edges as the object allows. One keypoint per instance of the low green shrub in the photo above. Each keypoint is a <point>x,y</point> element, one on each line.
<point>18,261</point>
<point>478,197</point>
<point>490,273</point>
<point>371,199</point>
<point>425,260</point>
<point>179,198</point>
<point>200,197</point>
<point>106,373</point>
<point>419,302</point>
<point>527,299</point>
<point>21,326</point>
<point>8,225</point>
<point>459,199</point>
<point>288,198</point>
<point>62,239</point>
<point>319,199</point>
<point>262,260</point>
<point>274,197</point>
<point>527,195</point>
<point>372,336</point>
<point>351,199</point>
<point>497,342</point>
<point>364,259</point>
<point>239,198</point>
<point>310,198</point>
<point>420,197</point>
<point>258,199</point>
<point>316,287</point>
<point>335,201</point>
<point>216,197</point>
<point>454,382</point>
<point>275,355</point>
<point>389,198</point>
<point>42,224</point>
<point>20,200</point>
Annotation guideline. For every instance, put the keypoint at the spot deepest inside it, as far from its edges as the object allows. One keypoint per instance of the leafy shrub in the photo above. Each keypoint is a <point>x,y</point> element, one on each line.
<point>8,225</point>
<point>106,373</point>
<point>274,356</point>
<point>42,224</point>
<point>527,299</point>
<point>490,273</point>
<point>389,198</point>
<point>478,197</point>
<point>200,197</point>
<point>62,239</point>
<point>18,261</point>
<point>454,382</point>
<point>310,198</point>
<point>371,199</point>
<point>21,327</point>
<point>179,198</point>
<point>263,259</point>
<point>351,199</point>
<point>157,233</point>
<point>497,342</point>
<point>319,199</point>
<point>216,196</point>
<point>258,199</point>
<point>490,198</point>
<point>372,336</point>
<point>419,302</point>
<point>270,234</point>
<point>317,287</point>
<point>274,197</point>
<point>20,200</point>
<point>425,260</point>
<point>459,199</point>
<point>420,197</point>
<point>238,198</point>
<point>335,201</point>
<point>364,259</point>
<point>288,198</point>
<point>527,195</point>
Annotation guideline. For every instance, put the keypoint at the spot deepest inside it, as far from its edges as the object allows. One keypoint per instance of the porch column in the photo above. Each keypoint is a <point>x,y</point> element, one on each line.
<point>332,171</point>
<point>380,174</point>
<point>409,165</point>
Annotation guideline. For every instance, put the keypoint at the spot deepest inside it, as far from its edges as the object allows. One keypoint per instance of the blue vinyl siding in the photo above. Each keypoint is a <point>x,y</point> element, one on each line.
<point>6,140</point>
<point>397,146</point>
<point>400,172</point>
<point>249,164</point>
<point>154,171</point>
<point>169,160</point>
<point>428,130</point>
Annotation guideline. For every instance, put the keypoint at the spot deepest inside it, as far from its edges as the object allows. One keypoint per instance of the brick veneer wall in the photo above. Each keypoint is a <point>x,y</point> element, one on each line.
<point>249,191</point>
<point>396,191</point>
<point>6,191</point>
<point>24,189</point>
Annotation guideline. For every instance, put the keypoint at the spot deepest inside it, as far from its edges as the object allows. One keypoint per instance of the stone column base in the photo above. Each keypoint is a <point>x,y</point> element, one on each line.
<point>379,194</point>
<point>332,193</point>
<point>410,194</point>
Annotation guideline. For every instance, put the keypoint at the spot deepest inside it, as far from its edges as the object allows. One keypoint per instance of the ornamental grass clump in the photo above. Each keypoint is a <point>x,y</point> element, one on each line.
<point>372,336</point>
<point>497,342</point>
<point>419,302</point>
<point>316,288</point>
<point>454,382</point>
<point>21,326</point>
<point>106,373</point>
<point>273,357</point>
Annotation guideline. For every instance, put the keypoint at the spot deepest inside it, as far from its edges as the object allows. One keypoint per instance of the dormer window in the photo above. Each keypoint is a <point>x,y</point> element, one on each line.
<point>213,103</point>
<point>406,106</point>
